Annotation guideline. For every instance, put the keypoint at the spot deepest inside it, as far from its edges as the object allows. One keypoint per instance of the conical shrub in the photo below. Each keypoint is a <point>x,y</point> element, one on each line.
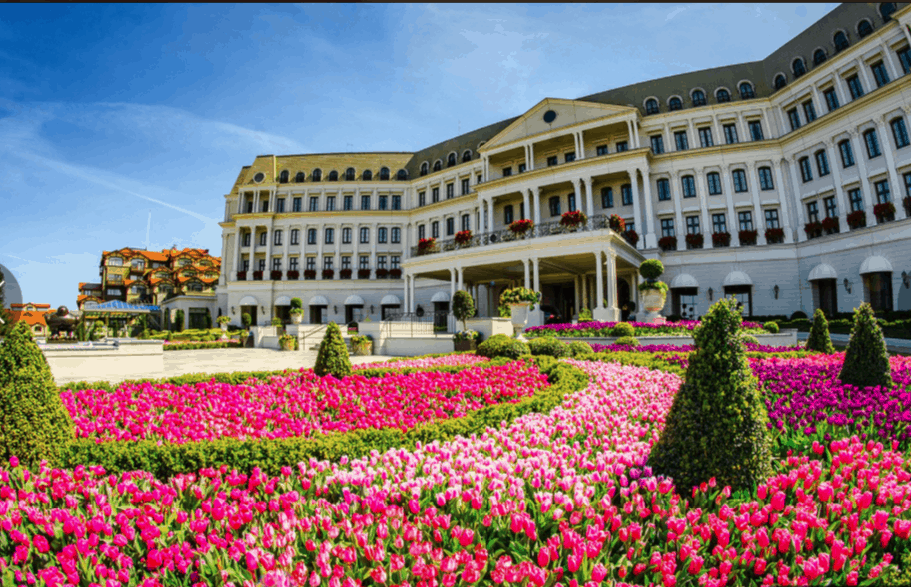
<point>819,339</point>
<point>717,425</point>
<point>866,359</point>
<point>34,425</point>
<point>333,354</point>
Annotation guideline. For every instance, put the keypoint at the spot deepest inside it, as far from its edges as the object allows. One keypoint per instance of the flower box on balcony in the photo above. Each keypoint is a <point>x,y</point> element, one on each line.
<point>522,226</point>
<point>668,243</point>
<point>721,239</point>
<point>363,274</point>
<point>884,212</point>
<point>426,245</point>
<point>857,219</point>
<point>747,237</point>
<point>774,236</point>
<point>573,219</point>
<point>328,273</point>
<point>241,276</point>
<point>257,276</point>
<point>395,273</point>
<point>694,241</point>
<point>345,274</point>
<point>309,273</point>
<point>292,274</point>
<point>463,237</point>
<point>813,229</point>
<point>616,223</point>
<point>830,225</point>
<point>275,275</point>
<point>382,273</point>
<point>631,237</point>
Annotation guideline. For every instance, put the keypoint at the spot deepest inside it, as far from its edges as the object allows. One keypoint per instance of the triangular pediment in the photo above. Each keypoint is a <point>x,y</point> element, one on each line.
<point>551,114</point>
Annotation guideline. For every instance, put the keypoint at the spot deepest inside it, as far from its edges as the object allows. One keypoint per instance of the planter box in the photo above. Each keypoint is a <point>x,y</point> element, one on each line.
<point>466,345</point>
<point>362,350</point>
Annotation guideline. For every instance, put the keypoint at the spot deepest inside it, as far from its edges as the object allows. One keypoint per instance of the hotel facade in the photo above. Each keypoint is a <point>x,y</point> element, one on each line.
<point>784,182</point>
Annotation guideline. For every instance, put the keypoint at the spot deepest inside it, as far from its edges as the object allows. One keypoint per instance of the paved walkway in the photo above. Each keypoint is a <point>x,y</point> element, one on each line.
<point>894,345</point>
<point>227,361</point>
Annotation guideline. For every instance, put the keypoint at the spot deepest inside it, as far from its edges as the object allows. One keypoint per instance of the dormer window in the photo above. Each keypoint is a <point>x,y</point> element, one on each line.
<point>384,174</point>
<point>284,177</point>
<point>841,41</point>
<point>367,175</point>
<point>722,96</point>
<point>746,91</point>
<point>699,98</point>
<point>798,67</point>
<point>438,165</point>
<point>300,177</point>
<point>675,103</point>
<point>780,81</point>
<point>333,175</point>
<point>651,106</point>
<point>451,160</point>
<point>349,174</point>
<point>424,168</point>
<point>819,57</point>
<point>466,156</point>
<point>402,175</point>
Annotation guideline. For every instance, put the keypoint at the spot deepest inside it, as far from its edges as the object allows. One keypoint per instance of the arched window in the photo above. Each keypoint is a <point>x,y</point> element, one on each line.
<point>317,175</point>
<point>402,175</point>
<point>651,106</point>
<point>675,104</point>
<point>283,177</point>
<point>780,81</point>
<point>887,9</point>
<point>424,168</point>
<point>722,96</point>
<point>841,41</point>
<point>699,98</point>
<point>384,174</point>
<point>349,174</point>
<point>798,67</point>
<point>438,165</point>
<point>864,28</point>
<point>333,175</point>
<point>367,175</point>
<point>451,160</point>
<point>746,91</point>
<point>819,56</point>
<point>466,156</point>
<point>300,177</point>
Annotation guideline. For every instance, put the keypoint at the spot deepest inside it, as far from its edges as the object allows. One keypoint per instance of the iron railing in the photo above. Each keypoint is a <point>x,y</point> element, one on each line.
<point>597,222</point>
<point>425,323</point>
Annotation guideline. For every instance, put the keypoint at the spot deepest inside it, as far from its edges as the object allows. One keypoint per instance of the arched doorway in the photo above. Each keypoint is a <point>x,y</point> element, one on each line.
<point>623,299</point>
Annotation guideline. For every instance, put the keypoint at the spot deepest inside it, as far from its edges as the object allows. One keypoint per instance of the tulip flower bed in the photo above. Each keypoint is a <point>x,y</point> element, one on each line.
<point>602,329</point>
<point>686,348</point>
<point>425,363</point>
<point>561,498</point>
<point>298,405</point>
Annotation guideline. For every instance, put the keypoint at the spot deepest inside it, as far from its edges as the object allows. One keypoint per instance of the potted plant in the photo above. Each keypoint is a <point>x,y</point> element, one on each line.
<point>652,292</point>
<point>748,237</point>
<point>884,212</point>
<point>395,273</point>
<point>363,274</point>
<point>830,225</point>
<point>774,235</point>
<point>329,273</point>
<point>522,226</point>
<point>223,322</point>
<point>668,243</point>
<point>293,274</point>
<point>344,274</point>
<point>241,276</point>
<point>466,340</point>
<point>463,309</point>
<point>276,321</point>
<point>694,240</point>
<point>309,273</point>
<point>463,237</point>
<point>297,310</point>
<point>246,320</point>
<point>257,276</point>
<point>813,229</point>
<point>426,245</point>
<point>573,219</point>
<point>382,273</point>
<point>519,297</point>
<point>275,275</point>
<point>631,237</point>
<point>616,223</point>
<point>362,345</point>
<point>287,342</point>
<point>857,219</point>
<point>721,239</point>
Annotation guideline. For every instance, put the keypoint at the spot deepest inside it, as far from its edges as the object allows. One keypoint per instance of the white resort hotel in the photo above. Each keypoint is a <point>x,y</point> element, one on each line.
<point>784,182</point>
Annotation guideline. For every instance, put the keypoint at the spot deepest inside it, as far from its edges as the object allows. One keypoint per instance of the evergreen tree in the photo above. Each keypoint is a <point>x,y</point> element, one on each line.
<point>333,354</point>
<point>866,360</point>
<point>819,339</point>
<point>34,425</point>
<point>717,424</point>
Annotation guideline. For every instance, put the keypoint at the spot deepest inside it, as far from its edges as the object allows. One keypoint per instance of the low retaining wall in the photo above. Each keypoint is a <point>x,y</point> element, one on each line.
<point>128,359</point>
<point>783,338</point>
<point>416,346</point>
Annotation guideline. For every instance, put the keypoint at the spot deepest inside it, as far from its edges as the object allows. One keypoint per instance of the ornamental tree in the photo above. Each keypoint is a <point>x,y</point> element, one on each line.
<point>866,359</point>
<point>819,339</point>
<point>463,307</point>
<point>333,354</point>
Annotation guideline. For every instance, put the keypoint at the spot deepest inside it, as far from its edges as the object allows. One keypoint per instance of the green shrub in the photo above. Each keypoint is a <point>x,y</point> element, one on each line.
<point>246,320</point>
<point>579,348</point>
<point>276,322</point>
<point>866,358</point>
<point>296,304</point>
<point>716,426</point>
<point>333,354</point>
<point>462,307</point>
<point>501,345</point>
<point>34,425</point>
<point>178,319</point>
<point>549,346</point>
<point>771,327</point>
<point>651,269</point>
<point>749,338</point>
<point>628,341</point>
<point>623,329</point>
<point>585,315</point>
<point>819,339</point>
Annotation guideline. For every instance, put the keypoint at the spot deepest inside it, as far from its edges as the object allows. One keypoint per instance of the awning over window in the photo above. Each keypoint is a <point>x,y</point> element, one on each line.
<point>440,296</point>
<point>737,278</point>
<point>354,300</point>
<point>248,301</point>
<point>283,301</point>
<point>391,300</point>
<point>875,264</point>
<point>823,271</point>
<point>684,280</point>
<point>318,301</point>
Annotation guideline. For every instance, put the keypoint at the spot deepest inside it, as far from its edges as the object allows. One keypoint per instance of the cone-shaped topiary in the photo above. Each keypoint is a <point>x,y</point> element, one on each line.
<point>866,360</point>
<point>819,339</point>
<point>34,425</point>
<point>333,354</point>
<point>717,424</point>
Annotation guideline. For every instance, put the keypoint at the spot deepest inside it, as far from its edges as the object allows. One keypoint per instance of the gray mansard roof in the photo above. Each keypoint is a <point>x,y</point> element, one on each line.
<point>761,74</point>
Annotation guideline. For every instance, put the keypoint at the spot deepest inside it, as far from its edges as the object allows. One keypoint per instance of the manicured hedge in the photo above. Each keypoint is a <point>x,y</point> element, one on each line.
<point>893,329</point>
<point>166,460</point>
<point>185,346</point>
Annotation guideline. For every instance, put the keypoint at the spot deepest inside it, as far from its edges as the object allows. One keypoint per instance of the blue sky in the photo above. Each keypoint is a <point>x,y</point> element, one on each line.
<point>108,112</point>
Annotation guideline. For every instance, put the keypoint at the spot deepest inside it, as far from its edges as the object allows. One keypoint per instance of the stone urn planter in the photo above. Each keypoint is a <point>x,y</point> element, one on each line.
<point>286,342</point>
<point>652,293</point>
<point>653,301</point>
<point>297,318</point>
<point>519,314</point>
<point>361,346</point>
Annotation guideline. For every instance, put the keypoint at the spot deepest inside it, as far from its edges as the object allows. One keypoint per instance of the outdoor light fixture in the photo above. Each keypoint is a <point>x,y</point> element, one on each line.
<point>711,292</point>
<point>847,285</point>
<point>906,279</point>
<point>775,290</point>
<point>262,309</point>
<point>335,309</point>
<point>371,309</point>
<point>232,310</point>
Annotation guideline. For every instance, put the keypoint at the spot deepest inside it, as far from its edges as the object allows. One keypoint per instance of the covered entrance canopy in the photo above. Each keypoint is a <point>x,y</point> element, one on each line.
<point>120,310</point>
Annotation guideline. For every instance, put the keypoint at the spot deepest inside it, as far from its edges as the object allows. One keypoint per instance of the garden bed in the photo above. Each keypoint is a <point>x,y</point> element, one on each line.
<point>641,329</point>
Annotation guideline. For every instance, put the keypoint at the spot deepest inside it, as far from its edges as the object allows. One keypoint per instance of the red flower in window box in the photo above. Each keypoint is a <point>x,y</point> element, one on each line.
<point>668,243</point>
<point>616,223</point>
<point>309,273</point>
<point>774,235</point>
<point>573,219</point>
<point>257,276</point>
<point>830,224</point>
<point>344,274</point>
<point>631,237</point>
<point>521,226</point>
<point>275,275</point>
<point>363,274</point>
<point>463,237</point>
<point>721,239</point>
<point>382,273</point>
<point>694,241</point>
<point>426,245</point>
<point>292,274</point>
<point>328,273</point>
<point>241,276</point>
<point>813,229</point>
<point>395,273</point>
<point>857,219</point>
<point>748,237</point>
<point>884,211</point>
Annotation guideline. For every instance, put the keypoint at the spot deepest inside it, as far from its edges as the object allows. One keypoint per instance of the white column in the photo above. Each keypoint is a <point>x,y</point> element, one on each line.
<point>817,101</point>
<point>576,144</point>
<point>798,202</point>
<point>407,296</point>
<point>629,132</point>
<point>785,208</point>
<point>527,283</point>
<point>286,240</point>
<point>460,273</point>
<point>581,146</point>
<point>486,167</point>
<point>270,234</point>
<point>531,156</point>
<point>537,276</point>
<point>584,280</point>
<point>577,290</point>
<point>729,195</point>
<point>612,286</point>
<point>649,237</point>
<point>860,156</point>
<point>896,186</point>
<point>757,206</point>
<point>406,239</point>
<point>589,205</point>
<point>237,237</point>
<point>637,212</point>
<point>537,206</point>
<point>599,280</point>
<point>741,129</point>
<point>452,282</point>
<point>869,85</point>
<point>832,154</point>
<point>577,193</point>
<point>889,59</point>
<point>678,215</point>
<point>490,215</point>
<point>636,133</point>
<point>320,240</point>
<point>525,201</point>
<point>413,293</point>
<point>704,207</point>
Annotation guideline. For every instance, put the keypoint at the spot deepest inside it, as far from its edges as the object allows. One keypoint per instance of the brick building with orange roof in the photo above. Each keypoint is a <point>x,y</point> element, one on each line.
<point>32,315</point>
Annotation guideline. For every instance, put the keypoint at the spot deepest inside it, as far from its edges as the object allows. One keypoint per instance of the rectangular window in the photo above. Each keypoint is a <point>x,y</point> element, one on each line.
<point>805,172</point>
<point>522,168</point>
<point>330,203</point>
<point>265,206</point>
<point>435,229</point>
<point>607,197</point>
<point>327,262</point>
<point>381,261</point>
<point>295,236</point>
<point>508,214</point>
<point>261,264</point>
<point>705,137</point>
<point>279,205</point>
<point>364,262</point>
<point>813,212</point>
<point>422,198</point>
<point>569,157</point>
<point>730,134</point>
<point>450,191</point>
<point>622,146</point>
<point>396,202</point>
<point>422,232</point>
<point>384,202</point>
<point>831,99</point>
<point>745,219</point>
<point>262,239</point>
<point>756,130</point>
<point>899,132</point>
<point>365,235</point>
<point>346,235</point>
<point>765,179</point>
<point>292,264</point>
<point>330,236</point>
<point>554,205</point>
<point>311,263</point>
<point>688,183</point>
<point>692,225</point>
<point>847,154</point>
<point>771,218</point>
<point>879,74</point>
<point>601,150</point>
<point>907,178</point>
<point>740,181</point>
<point>657,144</point>
<point>314,203</point>
<point>857,200</point>
<point>435,195</point>
<point>680,140</point>
<point>904,57</point>
<point>394,261</point>
<point>276,264</point>
<point>465,187</point>
<point>667,227</point>
<point>507,171</point>
<point>872,142</point>
<point>296,205</point>
<point>883,194</point>
<point>664,190</point>
<point>809,111</point>
<point>719,224</point>
<point>552,160</point>
<point>365,202</point>
<point>466,221</point>
<point>346,261</point>
<point>794,118</point>
<point>854,87</point>
<point>626,194</point>
<point>277,237</point>
<point>450,226</point>
<point>630,226</point>
<point>311,236</point>
<point>831,207</point>
<point>396,235</point>
<point>822,163</point>
<point>714,179</point>
<point>571,202</point>
<point>382,234</point>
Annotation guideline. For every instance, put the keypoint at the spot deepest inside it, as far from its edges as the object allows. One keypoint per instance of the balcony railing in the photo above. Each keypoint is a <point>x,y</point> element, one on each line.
<point>598,222</point>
